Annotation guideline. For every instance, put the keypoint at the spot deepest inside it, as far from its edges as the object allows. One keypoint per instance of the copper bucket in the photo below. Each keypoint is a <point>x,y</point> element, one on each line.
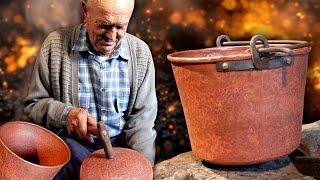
<point>243,104</point>
<point>28,151</point>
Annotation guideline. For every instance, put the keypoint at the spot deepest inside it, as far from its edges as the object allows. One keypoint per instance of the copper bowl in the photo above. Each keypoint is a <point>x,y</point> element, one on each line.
<point>114,162</point>
<point>126,164</point>
<point>28,151</point>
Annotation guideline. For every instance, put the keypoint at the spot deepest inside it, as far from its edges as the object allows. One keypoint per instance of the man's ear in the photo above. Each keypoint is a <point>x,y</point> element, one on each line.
<point>84,10</point>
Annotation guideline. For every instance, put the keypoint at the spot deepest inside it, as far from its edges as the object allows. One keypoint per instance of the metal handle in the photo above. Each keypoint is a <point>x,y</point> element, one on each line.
<point>261,56</point>
<point>105,140</point>
<point>224,40</point>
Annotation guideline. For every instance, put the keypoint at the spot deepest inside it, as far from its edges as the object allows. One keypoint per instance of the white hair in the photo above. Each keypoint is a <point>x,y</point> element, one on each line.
<point>88,3</point>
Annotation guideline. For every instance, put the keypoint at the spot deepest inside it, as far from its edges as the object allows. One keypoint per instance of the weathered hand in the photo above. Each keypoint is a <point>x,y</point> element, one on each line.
<point>92,126</point>
<point>80,122</point>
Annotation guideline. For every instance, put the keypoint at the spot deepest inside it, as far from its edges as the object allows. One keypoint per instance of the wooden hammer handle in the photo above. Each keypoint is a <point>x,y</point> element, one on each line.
<point>105,140</point>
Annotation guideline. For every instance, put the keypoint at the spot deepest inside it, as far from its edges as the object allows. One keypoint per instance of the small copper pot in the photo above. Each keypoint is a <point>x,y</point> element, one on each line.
<point>115,163</point>
<point>28,151</point>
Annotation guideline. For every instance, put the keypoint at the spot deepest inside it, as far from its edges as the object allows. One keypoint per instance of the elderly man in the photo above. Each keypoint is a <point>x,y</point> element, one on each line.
<point>95,72</point>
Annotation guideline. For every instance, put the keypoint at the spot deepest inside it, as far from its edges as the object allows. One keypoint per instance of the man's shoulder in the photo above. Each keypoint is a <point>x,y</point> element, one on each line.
<point>60,36</point>
<point>137,43</point>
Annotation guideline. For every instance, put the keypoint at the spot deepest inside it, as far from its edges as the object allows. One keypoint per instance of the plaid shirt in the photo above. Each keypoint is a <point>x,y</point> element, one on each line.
<point>104,86</point>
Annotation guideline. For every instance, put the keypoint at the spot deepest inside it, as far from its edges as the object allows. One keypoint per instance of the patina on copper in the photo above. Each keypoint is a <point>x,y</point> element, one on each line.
<point>241,117</point>
<point>115,163</point>
<point>28,151</point>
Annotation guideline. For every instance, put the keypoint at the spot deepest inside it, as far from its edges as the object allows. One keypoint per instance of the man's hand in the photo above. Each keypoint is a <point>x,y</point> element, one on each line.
<point>79,121</point>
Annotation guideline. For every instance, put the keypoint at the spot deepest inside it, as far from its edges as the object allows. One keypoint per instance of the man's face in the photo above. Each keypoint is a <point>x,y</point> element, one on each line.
<point>107,23</point>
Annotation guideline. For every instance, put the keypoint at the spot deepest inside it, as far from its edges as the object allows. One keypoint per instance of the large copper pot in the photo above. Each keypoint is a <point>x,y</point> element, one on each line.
<point>115,163</point>
<point>243,104</point>
<point>28,151</point>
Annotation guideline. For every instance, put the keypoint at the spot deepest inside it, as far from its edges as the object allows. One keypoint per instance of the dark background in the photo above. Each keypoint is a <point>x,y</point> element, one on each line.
<point>167,26</point>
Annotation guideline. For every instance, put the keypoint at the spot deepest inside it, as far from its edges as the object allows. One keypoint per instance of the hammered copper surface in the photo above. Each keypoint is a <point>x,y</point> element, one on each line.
<point>125,164</point>
<point>240,117</point>
<point>22,140</point>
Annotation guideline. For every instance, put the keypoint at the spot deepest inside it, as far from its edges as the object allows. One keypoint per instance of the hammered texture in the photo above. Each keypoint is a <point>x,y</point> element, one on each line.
<point>22,140</point>
<point>126,164</point>
<point>242,117</point>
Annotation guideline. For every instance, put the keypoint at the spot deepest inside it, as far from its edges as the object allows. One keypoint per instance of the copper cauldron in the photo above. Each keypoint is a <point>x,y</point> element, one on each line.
<point>114,163</point>
<point>28,151</point>
<point>243,104</point>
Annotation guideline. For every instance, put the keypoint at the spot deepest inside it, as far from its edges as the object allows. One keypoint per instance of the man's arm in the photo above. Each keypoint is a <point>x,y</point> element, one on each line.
<point>40,106</point>
<point>139,129</point>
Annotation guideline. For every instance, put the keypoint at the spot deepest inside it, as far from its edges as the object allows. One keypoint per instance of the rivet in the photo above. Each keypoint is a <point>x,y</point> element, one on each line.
<point>288,61</point>
<point>225,66</point>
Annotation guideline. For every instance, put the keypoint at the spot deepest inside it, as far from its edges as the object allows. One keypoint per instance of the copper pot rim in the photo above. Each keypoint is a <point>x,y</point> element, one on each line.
<point>46,131</point>
<point>235,53</point>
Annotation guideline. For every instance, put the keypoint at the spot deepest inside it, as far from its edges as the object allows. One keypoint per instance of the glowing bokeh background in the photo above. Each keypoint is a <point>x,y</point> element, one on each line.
<point>167,26</point>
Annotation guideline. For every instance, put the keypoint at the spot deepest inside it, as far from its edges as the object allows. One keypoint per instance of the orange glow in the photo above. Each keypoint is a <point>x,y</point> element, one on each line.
<point>169,47</point>
<point>209,43</point>
<point>175,18</point>
<point>229,4</point>
<point>196,18</point>
<point>220,24</point>
<point>300,15</point>
<point>23,52</point>
<point>170,126</point>
<point>18,19</point>
<point>262,17</point>
<point>172,107</point>
<point>5,84</point>
<point>148,11</point>
<point>314,73</point>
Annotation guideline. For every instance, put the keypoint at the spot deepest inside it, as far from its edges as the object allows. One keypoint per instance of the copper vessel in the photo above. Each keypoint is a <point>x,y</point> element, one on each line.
<point>114,162</point>
<point>28,151</point>
<point>243,104</point>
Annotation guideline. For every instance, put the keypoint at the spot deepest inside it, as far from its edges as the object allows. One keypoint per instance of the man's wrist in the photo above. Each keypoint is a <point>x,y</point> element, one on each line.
<point>65,113</point>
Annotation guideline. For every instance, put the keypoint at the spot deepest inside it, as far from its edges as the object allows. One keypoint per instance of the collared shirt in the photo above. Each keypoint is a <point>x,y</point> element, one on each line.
<point>104,87</point>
